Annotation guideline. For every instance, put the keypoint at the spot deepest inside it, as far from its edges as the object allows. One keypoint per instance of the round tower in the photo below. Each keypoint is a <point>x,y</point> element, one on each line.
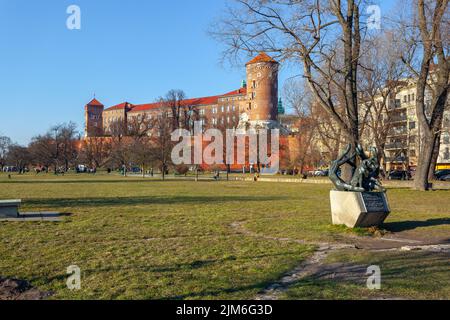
<point>262,90</point>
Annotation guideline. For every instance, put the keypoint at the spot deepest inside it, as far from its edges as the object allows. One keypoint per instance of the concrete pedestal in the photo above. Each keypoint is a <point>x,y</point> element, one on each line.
<point>9,208</point>
<point>359,209</point>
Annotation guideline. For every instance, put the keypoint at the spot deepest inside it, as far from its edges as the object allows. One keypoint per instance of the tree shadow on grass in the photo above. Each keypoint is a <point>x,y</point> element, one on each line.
<point>136,201</point>
<point>411,225</point>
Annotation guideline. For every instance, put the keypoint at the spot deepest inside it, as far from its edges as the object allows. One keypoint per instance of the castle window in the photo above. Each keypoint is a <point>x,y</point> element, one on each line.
<point>222,108</point>
<point>233,108</point>
<point>228,108</point>
<point>446,139</point>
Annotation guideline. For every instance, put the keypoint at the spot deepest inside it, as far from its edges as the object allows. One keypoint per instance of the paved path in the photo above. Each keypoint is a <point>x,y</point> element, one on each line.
<point>314,264</point>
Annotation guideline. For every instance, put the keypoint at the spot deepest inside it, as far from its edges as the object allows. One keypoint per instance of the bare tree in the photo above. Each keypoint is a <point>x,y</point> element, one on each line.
<point>58,146</point>
<point>173,101</point>
<point>139,130</point>
<point>380,80</point>
<point>120,152</point>
<point>161,144</point>
<point>425,33</point>
<point>222,126</point>
<point>68,143</point>
<point>325,36</point>
<point>299,98</point>
<point>44,151</point>
<point>96,151</point>
<point>20,157</point>
<point>141,153</point>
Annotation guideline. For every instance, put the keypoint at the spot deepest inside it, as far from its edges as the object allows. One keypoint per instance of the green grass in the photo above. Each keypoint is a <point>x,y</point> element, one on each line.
<point>404,275</point>
<point>148,239</point>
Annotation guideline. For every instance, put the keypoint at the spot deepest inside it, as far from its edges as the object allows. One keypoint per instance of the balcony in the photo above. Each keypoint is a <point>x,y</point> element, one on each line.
<point>396,105</point>
<point>396,146</point>
<point>395,159</point>
<point>398,132</point>
<point>398,118</point>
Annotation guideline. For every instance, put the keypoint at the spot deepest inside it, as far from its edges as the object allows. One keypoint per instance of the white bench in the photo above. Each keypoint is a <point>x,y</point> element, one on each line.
<point>9,208</point>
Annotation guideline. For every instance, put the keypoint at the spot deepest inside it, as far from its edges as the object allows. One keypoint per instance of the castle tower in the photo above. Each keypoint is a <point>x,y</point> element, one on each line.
<point>93,119</point>
<point>262,91</point>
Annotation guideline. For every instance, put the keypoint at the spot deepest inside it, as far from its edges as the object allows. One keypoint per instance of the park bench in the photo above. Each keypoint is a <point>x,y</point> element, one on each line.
<point>9,208</point>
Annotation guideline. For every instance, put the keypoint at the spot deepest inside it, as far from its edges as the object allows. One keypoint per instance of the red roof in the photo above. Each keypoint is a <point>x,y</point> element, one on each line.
<point>121,106</point>
<point>236,92</point>
<point>147,106</point>
<point>262,57</point>
<point>187,102</point>
<point>95,102</point>
<point>200,101</point>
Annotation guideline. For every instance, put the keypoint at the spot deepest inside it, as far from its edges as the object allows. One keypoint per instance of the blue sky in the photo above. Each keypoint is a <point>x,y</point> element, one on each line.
<point>133,50</point>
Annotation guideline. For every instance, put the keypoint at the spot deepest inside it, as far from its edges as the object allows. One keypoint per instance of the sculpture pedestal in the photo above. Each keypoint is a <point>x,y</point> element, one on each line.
<point>9,208</point>
<point>359,209</point>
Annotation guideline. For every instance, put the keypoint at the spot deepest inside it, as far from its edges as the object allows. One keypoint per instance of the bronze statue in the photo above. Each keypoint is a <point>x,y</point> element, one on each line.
<point>365,175</point>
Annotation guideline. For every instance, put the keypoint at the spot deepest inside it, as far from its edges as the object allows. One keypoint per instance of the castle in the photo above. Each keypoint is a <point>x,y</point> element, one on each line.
<point>254,104</point>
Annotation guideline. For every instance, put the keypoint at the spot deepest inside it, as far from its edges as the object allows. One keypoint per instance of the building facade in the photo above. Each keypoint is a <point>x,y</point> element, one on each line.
<point>255,103</point>
<point>403,140</point>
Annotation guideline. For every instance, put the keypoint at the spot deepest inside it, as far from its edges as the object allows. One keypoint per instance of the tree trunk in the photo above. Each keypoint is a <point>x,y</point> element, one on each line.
<point>425,159</point>
<point>348,170</point>
<point>435,157</point>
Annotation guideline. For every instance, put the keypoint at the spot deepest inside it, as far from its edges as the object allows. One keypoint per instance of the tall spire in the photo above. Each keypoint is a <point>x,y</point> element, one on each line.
<point>280,107</point>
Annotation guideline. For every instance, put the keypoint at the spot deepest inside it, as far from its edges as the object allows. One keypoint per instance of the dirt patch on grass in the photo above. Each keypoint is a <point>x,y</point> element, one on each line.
<point>14,289</point>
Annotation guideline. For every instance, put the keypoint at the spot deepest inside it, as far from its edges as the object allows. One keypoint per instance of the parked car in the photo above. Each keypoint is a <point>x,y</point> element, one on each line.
<point>441,173</point>
<point>399,175</point>
<point>321,173</point>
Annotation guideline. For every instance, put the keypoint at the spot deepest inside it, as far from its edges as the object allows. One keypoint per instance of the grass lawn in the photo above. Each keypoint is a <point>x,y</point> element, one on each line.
<point>148,239</point>
<point>404,275</point>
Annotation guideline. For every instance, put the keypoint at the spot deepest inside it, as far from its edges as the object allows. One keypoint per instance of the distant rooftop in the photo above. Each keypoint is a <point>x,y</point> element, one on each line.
<point>95,102</point>
<point>261,57</point>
